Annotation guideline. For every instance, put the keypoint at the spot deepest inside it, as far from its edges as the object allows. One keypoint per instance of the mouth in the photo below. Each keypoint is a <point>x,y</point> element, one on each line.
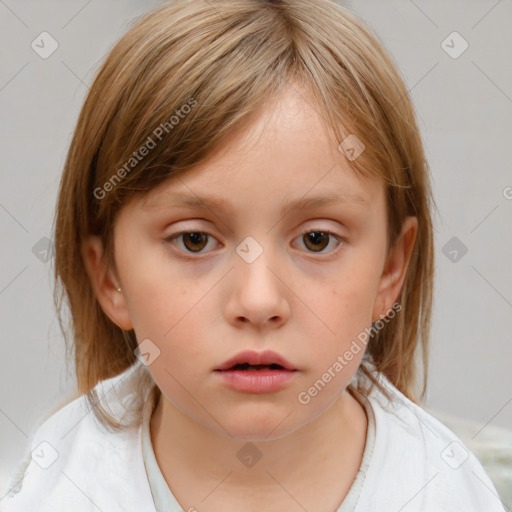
<point>257,373</point>
<point>252,361</point>
<point>254,367</point>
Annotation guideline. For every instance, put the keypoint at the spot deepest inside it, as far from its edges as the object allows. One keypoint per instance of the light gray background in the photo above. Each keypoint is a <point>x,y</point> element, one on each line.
<point>465,112</point>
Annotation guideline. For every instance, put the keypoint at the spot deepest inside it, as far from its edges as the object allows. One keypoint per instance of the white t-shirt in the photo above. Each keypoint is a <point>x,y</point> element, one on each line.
<point>413,463</point>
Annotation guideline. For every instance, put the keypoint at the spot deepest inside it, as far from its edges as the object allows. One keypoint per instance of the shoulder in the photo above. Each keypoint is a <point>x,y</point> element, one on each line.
<point>75,463</point>
<point>419,464</point>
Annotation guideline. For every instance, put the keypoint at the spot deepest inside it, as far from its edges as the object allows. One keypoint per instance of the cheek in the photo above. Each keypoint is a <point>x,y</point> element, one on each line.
<point>347,303</point>
<point>170,310</point>
<point>166,304</point>
<point>167,313</point>
<point>156,295</point>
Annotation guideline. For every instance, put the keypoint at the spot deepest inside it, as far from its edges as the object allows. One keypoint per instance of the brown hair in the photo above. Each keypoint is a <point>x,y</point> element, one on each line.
<point>224,59</point>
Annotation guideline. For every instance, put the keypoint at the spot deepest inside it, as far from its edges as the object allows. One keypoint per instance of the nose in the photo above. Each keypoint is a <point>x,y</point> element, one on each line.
<point>259,294</point>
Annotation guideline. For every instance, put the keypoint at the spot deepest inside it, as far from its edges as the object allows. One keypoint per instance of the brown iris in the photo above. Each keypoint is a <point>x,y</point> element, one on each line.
<point>316,240</point>
<point>195,241</point>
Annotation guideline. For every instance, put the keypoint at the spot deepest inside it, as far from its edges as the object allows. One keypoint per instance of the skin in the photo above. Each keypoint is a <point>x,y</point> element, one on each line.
<point>306,301</point>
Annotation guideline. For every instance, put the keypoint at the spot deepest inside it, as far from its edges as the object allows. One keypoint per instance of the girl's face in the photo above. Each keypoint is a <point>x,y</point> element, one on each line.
<point>216,262</point>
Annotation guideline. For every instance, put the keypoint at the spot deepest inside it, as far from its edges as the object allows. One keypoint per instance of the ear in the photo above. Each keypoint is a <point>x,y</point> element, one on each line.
<point>395,268</point>
<point>104,283</point>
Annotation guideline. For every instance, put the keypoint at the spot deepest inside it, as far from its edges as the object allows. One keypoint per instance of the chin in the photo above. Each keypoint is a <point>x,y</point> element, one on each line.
<point>259,427</point>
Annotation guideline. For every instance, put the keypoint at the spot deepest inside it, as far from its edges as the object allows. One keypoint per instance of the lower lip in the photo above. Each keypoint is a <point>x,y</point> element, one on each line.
<point>256,381</point>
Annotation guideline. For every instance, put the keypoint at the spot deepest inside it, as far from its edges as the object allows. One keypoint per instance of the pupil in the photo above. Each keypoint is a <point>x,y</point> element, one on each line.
<point>316,237</point>
<point>196,239</point>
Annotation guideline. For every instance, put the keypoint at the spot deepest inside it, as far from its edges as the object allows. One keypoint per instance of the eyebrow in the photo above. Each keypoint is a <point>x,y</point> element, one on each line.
<point>222,205</point>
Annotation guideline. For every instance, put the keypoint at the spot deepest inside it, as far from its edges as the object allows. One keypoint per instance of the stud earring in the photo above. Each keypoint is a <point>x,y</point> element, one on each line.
<point>119,289</point>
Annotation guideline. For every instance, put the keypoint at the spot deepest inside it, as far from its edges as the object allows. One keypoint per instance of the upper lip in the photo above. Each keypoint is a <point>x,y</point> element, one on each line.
<point>266,357</point>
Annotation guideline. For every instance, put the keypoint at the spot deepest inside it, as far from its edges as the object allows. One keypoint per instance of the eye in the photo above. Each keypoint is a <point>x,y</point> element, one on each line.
<point>317,241</point>
<point>193,241</point>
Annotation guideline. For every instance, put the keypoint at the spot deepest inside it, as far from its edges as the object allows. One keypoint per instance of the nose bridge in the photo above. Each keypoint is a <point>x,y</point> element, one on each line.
<point>255,261</point>
<point>258,294</point>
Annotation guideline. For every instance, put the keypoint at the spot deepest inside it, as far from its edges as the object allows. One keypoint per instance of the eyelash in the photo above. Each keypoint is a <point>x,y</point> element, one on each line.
<point>341,240</point>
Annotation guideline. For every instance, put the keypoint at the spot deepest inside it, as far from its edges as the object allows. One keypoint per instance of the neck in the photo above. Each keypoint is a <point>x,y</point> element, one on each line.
<point>194,458</point>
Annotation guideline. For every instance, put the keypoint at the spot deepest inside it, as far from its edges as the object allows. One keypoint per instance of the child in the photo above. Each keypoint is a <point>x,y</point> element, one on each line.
<point>273,366</point>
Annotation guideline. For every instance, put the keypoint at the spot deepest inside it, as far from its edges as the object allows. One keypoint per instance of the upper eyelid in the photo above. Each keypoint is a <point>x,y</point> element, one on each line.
<point>206,232</point>
<point>307,229</point>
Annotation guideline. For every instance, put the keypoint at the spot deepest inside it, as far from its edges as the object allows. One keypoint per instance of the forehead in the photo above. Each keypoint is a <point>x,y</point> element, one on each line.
<point>283,154</point>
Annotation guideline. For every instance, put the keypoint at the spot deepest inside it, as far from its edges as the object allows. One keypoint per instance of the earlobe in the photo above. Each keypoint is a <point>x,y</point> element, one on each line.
<point>105,283</point>
<point>395,269</point>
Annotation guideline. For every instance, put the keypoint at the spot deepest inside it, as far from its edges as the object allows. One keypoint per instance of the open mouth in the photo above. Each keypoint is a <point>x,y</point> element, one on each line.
<point>266,374</point>
<point>266,362</point>
<point>255,367</point>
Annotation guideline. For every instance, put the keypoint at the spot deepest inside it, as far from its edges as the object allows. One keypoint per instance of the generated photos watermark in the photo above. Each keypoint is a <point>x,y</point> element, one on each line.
<point>139,155</point>
<point>304,397</point>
